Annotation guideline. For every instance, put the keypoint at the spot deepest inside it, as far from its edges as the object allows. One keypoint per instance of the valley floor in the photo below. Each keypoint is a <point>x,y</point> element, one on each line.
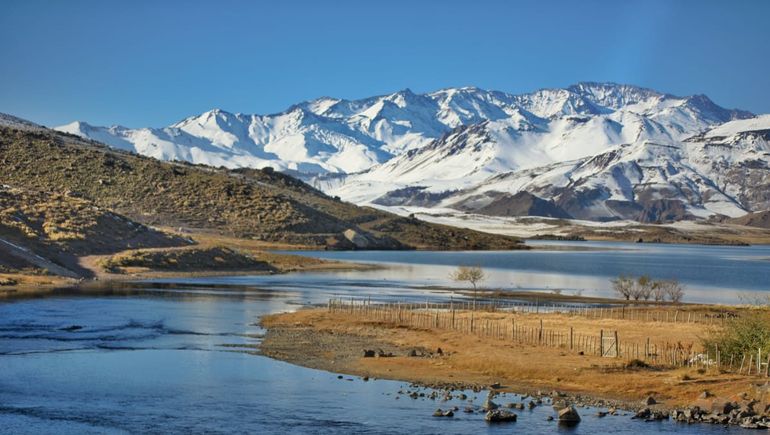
<point>709,233</point>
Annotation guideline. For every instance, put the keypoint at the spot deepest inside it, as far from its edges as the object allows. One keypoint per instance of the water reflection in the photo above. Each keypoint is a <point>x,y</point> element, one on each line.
<point>178,355</point>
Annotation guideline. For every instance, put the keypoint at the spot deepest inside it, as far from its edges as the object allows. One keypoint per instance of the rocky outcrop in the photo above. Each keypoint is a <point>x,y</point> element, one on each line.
<point>519,204</point>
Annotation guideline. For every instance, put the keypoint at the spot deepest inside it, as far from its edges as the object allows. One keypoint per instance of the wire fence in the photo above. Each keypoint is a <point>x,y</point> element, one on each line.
<point>469,318</point>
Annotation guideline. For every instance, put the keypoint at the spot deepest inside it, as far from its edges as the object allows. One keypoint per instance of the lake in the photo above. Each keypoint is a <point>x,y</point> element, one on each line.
<point>178,355</point>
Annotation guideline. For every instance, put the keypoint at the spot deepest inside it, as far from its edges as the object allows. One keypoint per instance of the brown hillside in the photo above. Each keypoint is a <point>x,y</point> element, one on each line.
<point>256,204</point>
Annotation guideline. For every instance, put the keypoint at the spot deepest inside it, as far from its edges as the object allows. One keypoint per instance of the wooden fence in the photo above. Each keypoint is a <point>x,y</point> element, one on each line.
<point>672,314</point>
<point>462,317</point>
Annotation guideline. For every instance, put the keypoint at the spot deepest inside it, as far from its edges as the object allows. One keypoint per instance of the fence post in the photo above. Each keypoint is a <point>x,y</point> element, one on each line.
<point>540,334</point>
<point>601,342</point>
<point>570,338</point>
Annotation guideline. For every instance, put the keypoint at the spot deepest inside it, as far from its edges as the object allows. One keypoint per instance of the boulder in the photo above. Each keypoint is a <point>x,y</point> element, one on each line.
<point>657,416</point>
<point>368,353</point>
<point>569,415</point>
<point>500,416</point>
<point>649,401</point>
<point>642,414</point>
<point>441,413</point>
<point>722,406</point>
<point>489,405</point>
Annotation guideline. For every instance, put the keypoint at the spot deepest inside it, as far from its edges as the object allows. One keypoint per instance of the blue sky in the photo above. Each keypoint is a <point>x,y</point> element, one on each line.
<point>151,63</point>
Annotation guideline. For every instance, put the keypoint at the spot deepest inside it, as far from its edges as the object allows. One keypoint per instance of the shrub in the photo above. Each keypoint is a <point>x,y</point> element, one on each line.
<point>741,335</point>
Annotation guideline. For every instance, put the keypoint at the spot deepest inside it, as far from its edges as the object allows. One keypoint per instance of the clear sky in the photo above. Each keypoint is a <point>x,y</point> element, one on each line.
<point>150,63</point>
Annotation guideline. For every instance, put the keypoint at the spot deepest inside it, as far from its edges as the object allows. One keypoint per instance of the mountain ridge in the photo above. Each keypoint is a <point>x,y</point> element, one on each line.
<point>459,139</point>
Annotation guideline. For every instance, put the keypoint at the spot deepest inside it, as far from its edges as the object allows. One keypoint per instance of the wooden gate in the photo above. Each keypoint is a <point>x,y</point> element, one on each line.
<point>609,344</point>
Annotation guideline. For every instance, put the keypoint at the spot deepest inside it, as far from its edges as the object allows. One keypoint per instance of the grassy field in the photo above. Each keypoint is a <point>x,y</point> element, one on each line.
<point>474,358</point>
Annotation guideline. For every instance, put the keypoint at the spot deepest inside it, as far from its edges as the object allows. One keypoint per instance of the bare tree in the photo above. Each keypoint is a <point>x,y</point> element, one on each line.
<point>470,274</point>
<point>674,290</point>
<point>658,291</point>
<point>623,286</point>
<point>644,288</point>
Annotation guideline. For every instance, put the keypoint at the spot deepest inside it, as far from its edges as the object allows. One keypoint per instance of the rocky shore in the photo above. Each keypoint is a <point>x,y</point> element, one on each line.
<point>433,375</point>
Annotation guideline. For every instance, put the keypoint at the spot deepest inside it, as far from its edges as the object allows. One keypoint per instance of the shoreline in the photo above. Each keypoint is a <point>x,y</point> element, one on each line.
<point>277,344</point>
<point>55,283</point>
<point>442,359</point>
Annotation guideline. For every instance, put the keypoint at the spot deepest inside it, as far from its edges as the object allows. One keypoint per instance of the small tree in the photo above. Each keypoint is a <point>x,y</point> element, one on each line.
<point>623,286</point>
<point>642,288</point>
<point>673,290</point>
<point>658,291</point>
<point>473,275</point>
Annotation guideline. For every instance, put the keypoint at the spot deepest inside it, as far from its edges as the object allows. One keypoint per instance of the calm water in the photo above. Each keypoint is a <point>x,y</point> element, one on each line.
<point>179,358</point>
<point>710,273</point>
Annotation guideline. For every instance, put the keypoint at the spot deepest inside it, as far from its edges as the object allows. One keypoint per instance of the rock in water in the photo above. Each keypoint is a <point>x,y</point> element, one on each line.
<point>569,415</point>
<point>500,416</point>
<point>441,413</point>
<point>489,405</point>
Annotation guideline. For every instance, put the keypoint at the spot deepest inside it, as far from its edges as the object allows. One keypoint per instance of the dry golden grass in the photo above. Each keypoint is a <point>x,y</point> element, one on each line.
<point>473,359</point>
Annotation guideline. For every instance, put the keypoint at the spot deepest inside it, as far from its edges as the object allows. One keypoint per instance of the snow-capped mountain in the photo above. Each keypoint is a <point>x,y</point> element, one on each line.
<point>591,151</point>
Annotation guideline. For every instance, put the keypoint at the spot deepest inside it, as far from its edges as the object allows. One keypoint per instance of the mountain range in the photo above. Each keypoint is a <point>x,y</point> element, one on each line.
<point>595,151</point>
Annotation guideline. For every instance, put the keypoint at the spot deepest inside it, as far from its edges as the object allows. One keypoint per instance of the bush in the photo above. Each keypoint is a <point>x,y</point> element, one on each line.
<point>741,335</point>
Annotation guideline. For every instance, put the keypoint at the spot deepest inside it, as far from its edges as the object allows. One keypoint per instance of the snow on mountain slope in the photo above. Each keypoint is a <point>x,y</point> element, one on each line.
<point>761,122</point>
<point>595,150</point>
<point>653,161</point>
<point>646,180</point>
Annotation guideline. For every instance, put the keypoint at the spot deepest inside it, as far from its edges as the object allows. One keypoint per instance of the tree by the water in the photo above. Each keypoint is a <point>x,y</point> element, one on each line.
<point>470,274</point>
